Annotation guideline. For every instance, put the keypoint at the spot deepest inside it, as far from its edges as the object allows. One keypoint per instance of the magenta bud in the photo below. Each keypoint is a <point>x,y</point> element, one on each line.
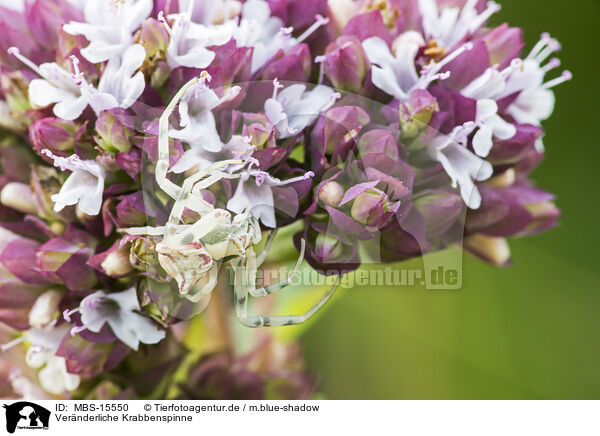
<point>113,136</point>
<point>504,44</point>
<point>440,210</point>
<point>62,260</point>
<point>494,250</point>
<point>114,262</point>
<point>45,18</point>
<point>416,113</point>
<point>262,136</point>
<point>369,206</point>
<point>345,63</point>
<point>54,134</point>
<point>15,87</point>
<point>153,37</point>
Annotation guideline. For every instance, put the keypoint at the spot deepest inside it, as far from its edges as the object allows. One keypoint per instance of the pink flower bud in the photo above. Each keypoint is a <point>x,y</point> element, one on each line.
<point>346,64</point>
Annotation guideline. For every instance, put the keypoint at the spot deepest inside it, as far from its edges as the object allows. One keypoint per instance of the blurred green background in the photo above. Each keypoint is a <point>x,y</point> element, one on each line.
<point>530,331</point>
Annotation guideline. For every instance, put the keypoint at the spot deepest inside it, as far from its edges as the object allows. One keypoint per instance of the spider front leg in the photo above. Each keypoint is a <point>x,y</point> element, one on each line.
<point>211,283</point>
<point>263,255</point>
<point>162,165</point>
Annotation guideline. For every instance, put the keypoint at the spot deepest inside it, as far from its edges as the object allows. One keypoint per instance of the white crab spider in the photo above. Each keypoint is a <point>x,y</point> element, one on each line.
<point>193,253</point>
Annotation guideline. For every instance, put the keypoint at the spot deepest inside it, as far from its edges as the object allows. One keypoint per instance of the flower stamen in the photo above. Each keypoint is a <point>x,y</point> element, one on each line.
<point>78,329</point>
<point>564,77</point>
<point>14,51</point>
<point>13,343</point>
<point>320,21</point>
<point>67,313</point>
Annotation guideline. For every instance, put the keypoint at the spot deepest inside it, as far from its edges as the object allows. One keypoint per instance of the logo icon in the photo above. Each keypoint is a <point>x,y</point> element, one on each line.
<point>26,415</point>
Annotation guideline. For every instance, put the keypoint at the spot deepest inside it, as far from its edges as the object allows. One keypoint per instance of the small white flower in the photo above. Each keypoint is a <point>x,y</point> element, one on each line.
<point>109,26</point>
<point>24,387</point>
<point>121,311</point>
<point>397,74</point>
<point>53,376</point>
<point>535,102</point>
<point>120,85</point>
<point>462,166</point>
<point>294,108</point>
<point>491,125</point>
<point>44,310</point>
<point>486,89</point>
<point>450,25</point>
<point>56,86</point>
<point>188,41</point>
<point>258,29</point>
<point>254,194</point>
<point>83,187</point>
<point>265,33</point>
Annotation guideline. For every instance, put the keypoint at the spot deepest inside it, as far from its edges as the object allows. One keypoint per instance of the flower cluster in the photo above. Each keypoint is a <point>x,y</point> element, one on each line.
<point>412,123</point>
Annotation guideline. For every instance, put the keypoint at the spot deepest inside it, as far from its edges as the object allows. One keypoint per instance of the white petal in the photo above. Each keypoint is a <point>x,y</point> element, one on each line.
<point>378,51</point>
<point>489,85</point>
<point>463,167</point>
<point>276,115</point>
<point>482,141</point>
<point>258,10</point>
<point>486,108</point>
<point>199,57</point>
<point>98,51</point>
<point>124,333</point>
<point>42,93</point>
<point>385,80</point>
<point>146,330</point>
<point>92,318</point>
<point>132,59</point>
<point>502,129</point>
<point>102,101</point>
<point>136,12</point>
<point>127,300</point>
<point>91,204</point>
<point>134,90</point>
<point>70,109</point>
<point>54,377</point>
<point>532,107</point>
<point>256,199</point>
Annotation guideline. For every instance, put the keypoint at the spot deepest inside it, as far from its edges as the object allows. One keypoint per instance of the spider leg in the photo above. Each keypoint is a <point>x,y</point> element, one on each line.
<point>263,255</point>
<point>139,231</point>
<point>266,290</point>
<point>245,273</point>
<point>162,165</point>
<point>212,173</point>
<point>278,321</point>
<point>240,288</point>
<point>213,274</point>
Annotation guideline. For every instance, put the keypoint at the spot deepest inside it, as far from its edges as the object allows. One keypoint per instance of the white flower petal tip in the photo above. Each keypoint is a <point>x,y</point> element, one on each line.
<point>83,187</point>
